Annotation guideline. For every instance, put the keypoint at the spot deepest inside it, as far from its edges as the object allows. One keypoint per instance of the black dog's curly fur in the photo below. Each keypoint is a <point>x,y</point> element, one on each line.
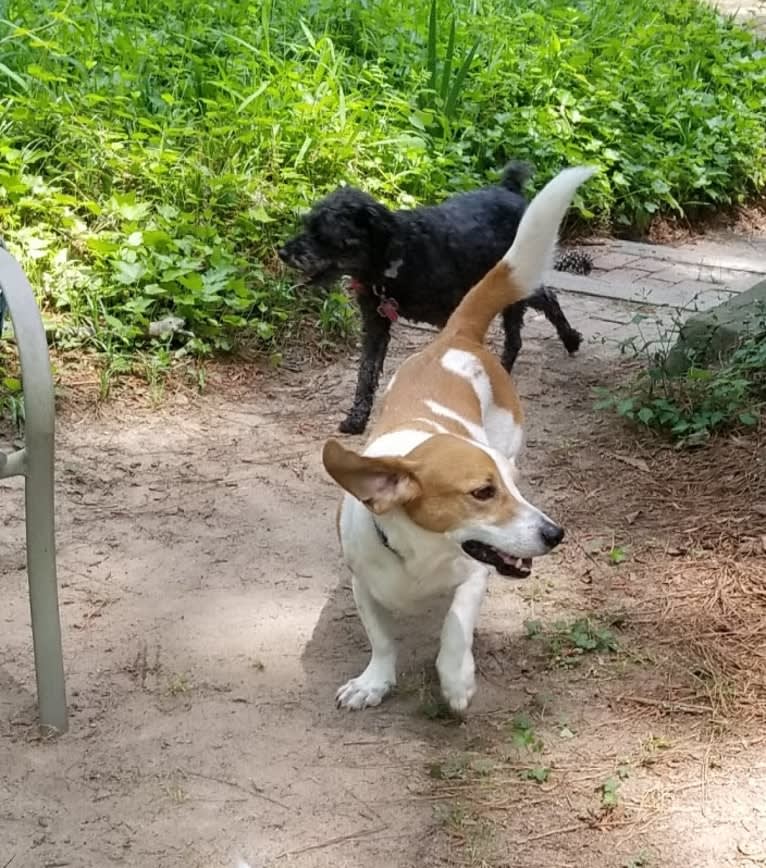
<point>425,259</point>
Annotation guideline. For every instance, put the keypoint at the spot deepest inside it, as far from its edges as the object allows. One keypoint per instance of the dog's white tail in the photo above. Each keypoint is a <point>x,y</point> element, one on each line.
<point>520,271</point>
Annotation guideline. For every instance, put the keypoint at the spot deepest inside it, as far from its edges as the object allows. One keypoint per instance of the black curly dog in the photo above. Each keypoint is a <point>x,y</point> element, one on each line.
<point>418,264</point>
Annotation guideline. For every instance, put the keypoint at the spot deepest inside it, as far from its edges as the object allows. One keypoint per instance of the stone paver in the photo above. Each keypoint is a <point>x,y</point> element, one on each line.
<point>748,14</point>
<point>686,295</point>
<point>739,256</point>
<point>689,278</point>
<point>611,258</point>
<point>640,294</point>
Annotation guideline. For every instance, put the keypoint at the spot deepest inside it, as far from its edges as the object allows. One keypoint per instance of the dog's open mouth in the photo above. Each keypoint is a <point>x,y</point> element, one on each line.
<point>321,275</point>
<point>505,564</point>
<point>313,273</point>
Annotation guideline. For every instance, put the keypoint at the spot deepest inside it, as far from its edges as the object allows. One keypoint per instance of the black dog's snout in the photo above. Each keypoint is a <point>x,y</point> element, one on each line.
<point>552,534</point>
<point>283,253</point>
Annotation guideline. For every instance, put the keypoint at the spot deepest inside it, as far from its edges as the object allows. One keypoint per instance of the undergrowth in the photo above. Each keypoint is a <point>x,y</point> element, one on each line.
<point>11,399</point>
<point>691,405</point>
<point>153,155</point>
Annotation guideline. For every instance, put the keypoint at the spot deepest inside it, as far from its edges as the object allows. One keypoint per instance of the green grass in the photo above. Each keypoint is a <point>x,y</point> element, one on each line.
<point>154,154</point>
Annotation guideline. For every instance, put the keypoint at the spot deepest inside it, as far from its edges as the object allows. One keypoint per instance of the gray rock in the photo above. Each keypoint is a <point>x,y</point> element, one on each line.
<point>709,337</point>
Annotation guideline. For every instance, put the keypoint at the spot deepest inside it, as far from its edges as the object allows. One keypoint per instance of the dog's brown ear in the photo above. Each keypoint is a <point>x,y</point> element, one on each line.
<point>380,483</point>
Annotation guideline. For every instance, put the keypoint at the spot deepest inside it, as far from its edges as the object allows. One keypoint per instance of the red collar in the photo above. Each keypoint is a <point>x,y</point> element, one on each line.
<point>388,307</point>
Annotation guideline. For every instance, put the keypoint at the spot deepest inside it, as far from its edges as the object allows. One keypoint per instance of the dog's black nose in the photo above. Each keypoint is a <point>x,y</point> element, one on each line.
<point>552,534</point>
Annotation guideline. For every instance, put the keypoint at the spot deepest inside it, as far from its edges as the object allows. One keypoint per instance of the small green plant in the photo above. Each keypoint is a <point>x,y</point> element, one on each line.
<point>617,555</point>
<point>609,794</point>
<point>523,736</point>
<point>568,642</point>
<point>533,628</point>
<point>11,400</point>
<point>609,789</point>
<point>586,635</point>
<point>540,774</point>
<point>525,740</point>
<point>692,405</point>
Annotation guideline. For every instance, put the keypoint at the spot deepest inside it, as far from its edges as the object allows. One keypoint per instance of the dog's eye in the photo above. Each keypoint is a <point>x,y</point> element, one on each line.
<point>486,492</point>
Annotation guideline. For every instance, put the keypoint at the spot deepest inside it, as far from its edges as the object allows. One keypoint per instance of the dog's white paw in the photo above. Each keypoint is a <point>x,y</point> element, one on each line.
<point>458,684</point>
<point>367,690</point>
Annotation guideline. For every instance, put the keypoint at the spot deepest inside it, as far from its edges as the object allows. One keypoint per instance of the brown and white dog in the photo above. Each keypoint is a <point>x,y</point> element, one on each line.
<point>431,503</point>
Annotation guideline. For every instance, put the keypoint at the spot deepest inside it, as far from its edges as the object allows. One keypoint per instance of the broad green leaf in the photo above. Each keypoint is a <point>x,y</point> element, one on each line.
<point>128,272</point>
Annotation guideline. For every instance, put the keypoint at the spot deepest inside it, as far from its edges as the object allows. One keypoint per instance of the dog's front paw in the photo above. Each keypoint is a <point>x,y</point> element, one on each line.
<point>354,423</point>
<point>572,342</point>
<point>365,691</point>
<point>458,684</point>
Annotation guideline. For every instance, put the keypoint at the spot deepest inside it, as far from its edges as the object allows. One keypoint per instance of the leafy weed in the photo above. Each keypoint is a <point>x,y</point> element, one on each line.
<point>690,406</point>
<point>567,642</point>
<point>153,156</point>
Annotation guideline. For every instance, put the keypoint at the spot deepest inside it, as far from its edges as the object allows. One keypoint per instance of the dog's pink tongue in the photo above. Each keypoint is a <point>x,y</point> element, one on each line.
<point>389,309</point>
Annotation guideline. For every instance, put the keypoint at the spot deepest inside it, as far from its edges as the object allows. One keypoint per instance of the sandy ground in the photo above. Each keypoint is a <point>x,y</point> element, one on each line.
<point>208,621</point>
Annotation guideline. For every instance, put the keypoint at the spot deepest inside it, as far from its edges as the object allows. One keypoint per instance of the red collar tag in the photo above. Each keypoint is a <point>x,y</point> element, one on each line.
<point>389,309</point>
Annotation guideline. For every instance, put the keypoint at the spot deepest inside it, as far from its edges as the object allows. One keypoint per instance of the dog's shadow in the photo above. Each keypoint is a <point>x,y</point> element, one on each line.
<point>339,649</point>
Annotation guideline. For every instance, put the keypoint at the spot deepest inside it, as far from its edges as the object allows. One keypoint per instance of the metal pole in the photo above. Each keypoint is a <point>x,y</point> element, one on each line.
<point>39,413</point>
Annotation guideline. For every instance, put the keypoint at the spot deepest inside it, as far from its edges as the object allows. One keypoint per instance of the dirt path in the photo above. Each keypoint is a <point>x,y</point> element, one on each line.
<point>208,621</point>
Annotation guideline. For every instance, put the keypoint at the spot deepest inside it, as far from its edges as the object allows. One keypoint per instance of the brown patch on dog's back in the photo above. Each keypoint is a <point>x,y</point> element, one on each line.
<point>405,403</point>
<point>404,406</point>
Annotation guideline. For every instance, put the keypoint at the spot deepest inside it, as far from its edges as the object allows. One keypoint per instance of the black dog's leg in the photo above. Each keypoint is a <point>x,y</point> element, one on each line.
<point>546,302</point>
<point>513,320</point>
<point>377,333</point>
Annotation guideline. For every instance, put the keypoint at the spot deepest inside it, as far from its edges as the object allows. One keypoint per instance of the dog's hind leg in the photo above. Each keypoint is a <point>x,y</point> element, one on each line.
<point>513,321</point>
<point>455,663</point>
<point>546,302</point>
<point>377,333</point>
<point>379,678</point>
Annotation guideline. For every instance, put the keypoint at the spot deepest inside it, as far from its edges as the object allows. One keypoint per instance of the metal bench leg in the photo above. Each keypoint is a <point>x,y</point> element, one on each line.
<point>43,587</point>
<point>38,454</point>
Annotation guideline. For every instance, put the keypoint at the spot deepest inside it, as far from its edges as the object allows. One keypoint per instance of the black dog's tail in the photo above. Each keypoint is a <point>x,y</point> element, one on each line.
<point>515,175</point>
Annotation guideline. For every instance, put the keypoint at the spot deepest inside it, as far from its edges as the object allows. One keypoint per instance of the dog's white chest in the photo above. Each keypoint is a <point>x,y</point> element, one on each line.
<point>401,576</point>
